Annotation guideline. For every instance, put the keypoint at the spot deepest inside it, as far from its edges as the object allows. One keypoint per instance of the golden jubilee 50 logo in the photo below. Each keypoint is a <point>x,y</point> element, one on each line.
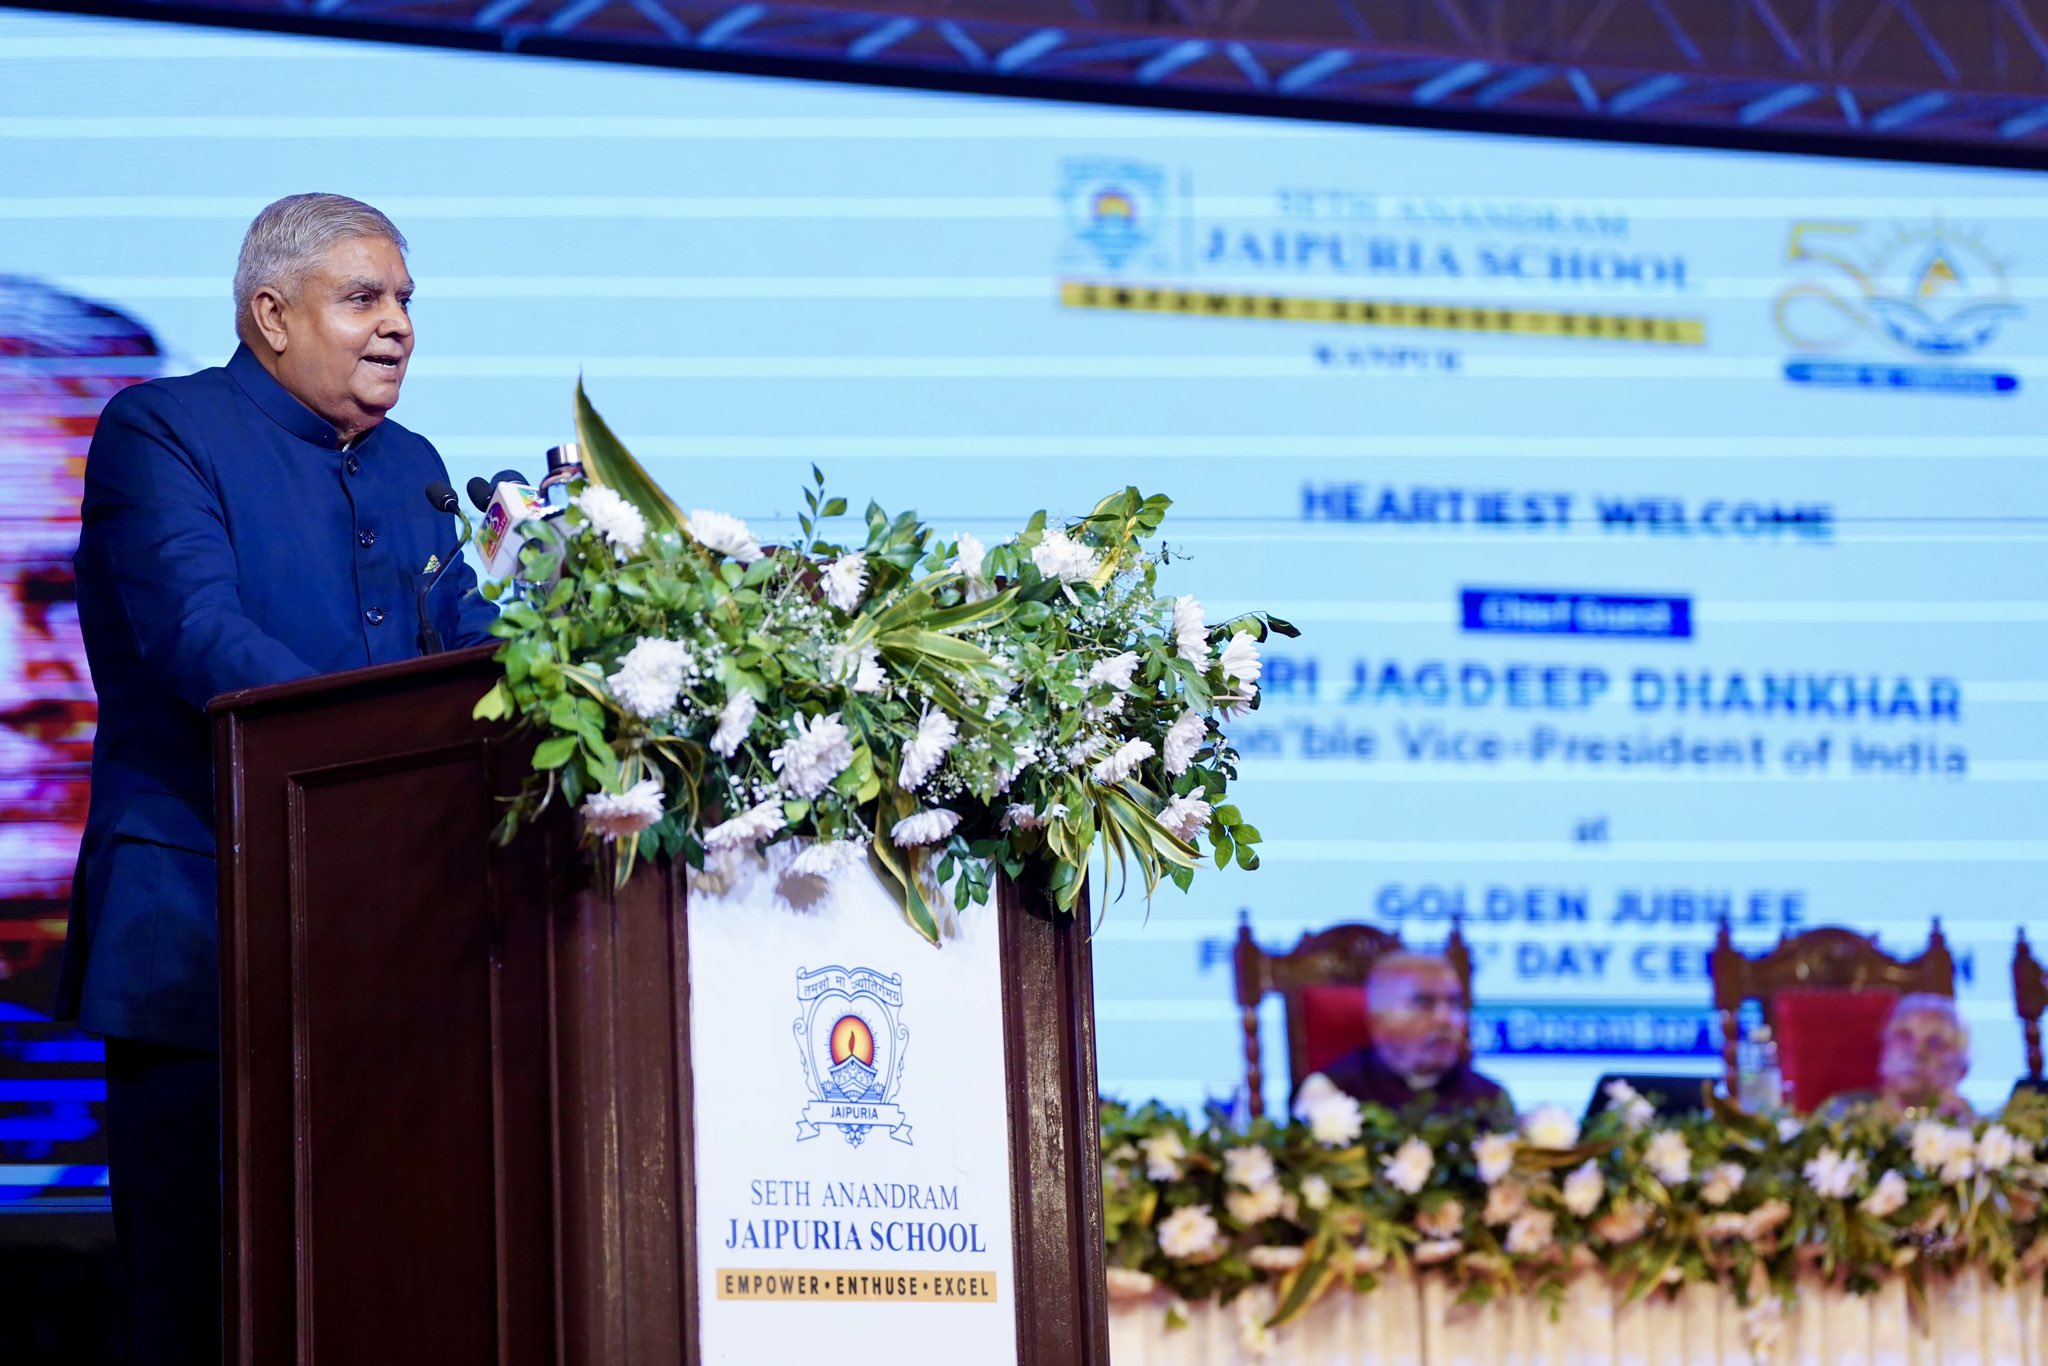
<point>851,1044</point>
<point>1869,294</point>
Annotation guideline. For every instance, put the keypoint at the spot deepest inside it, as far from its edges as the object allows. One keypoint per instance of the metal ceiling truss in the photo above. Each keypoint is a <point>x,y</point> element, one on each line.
<point>1875,74</point>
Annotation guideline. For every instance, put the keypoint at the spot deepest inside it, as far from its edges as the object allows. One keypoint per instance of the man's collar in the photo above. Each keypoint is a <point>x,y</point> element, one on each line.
<point>277,402</point>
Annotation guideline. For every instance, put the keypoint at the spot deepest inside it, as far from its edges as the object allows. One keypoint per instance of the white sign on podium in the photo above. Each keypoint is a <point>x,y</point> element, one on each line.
<point>852,1126</point>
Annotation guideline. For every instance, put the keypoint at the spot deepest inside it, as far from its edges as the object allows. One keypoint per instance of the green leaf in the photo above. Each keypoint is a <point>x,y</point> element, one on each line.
<point>606,461</point>
<point>834,507</point>
<point>554,752</point>
<point>494,705</point>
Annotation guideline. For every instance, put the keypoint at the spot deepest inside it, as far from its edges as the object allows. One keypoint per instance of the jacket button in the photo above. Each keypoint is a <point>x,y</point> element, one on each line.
<point>375,616</point>
<point>352,465</point>
<point>366,539</point>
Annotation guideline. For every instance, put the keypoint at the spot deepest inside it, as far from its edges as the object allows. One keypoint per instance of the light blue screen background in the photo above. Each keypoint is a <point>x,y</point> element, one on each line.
<point>752,275</point>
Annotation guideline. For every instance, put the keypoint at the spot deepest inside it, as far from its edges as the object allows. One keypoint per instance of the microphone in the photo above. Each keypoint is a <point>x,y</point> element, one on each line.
<point>506,504</point>
<point>441,494</point>
<point>480,490</point>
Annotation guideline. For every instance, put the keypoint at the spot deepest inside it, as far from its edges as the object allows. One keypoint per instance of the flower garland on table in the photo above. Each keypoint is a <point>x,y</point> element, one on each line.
<point>1282,1213</point>
<point>936,707</point>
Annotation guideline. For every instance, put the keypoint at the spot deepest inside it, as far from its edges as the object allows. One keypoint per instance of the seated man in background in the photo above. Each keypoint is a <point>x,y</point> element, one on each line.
<point>1924,1053</point>
<point>1421,1044</point>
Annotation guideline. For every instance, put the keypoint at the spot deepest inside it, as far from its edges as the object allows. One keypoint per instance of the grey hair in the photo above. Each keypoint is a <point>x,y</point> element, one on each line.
<point>1928,1003</point>
<point>291,236</point>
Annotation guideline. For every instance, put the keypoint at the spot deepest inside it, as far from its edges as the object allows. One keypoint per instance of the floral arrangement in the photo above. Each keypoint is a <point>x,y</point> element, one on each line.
<point>934,706</point>
<point>1499,1206</point>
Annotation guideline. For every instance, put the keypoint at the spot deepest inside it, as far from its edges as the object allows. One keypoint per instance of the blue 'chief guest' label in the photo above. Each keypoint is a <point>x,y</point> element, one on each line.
<point>1561,612</point>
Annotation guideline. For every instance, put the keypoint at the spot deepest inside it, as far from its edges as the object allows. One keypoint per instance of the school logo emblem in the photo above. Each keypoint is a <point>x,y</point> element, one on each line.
<point>851,1043</point>
<point>1894,306</point>
<point>1115,209</point>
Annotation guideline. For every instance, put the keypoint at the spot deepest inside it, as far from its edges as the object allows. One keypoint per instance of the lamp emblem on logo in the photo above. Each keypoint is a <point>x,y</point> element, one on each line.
<point>851,1044</point>
<point>1114,208</point>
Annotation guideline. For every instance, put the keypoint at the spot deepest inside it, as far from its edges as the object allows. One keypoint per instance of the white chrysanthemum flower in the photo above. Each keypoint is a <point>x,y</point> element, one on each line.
<point>1669,1157</point>
<point>969,557</point>
<point>1495,1154</point>
<point>1722,1181</point>
<point>1190,633</point>
<point>1531,1232</point>
<point>1790,1127</point>
<point>1636,1110</point>
<point>809,760</point>
<point>927,749</point>
<point>1185,817</point>
<point>1163,1154</point>
<point>1583,1189</point>
<point>1183,740</point>
<point>1085,748</point>
<point>924,827</point>
<point>1765,1219</point>
<point>616,815</point>
<point>1886,1198</point>
<point>1930,1144</point>
<point>1019,816</point>
<point>1278,1260</point>
<point>761,821</point>
<point>1624,1223</point>
<point>1550,1126</point>
<point>1503,1202</point>
<point>846,578</point>
<point>860,670</point>
<point>1445,1221</point>
<point>650,675</point>
<point>1235,704</point>
<point>1408,1169</point>
<point>1058,556</point>
<point>1721,1228</point>
<point>1124,1284</point>
<point>1189,1233</point>
<point>1122,764</point>
<point>1117,671</point>
<point>1240,659</point>
<point>1833,1175</point>
<point>829,858</point>
<point>1335,1120</point>
<point>734,721</point>
<point>1435,1251</point>
<point>724,533</point>
<point>1995,1150</point>
<point>1248,1167</point>
<point>613,518</point>
<point>1256,1205</point>
<point>1315,1192</point>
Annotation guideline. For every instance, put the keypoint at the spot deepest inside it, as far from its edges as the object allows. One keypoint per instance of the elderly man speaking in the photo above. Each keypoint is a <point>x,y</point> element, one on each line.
<point>250,524</point>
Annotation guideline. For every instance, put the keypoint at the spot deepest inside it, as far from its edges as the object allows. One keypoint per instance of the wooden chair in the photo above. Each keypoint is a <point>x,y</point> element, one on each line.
<point>1828,959</point>
<point>2030,999</point>
<point>1341,956</point>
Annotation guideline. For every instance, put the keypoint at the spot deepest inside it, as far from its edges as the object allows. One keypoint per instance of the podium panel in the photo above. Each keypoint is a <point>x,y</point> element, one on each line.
<point>462,1106</point>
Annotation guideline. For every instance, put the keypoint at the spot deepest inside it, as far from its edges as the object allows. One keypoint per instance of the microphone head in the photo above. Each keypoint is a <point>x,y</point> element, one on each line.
<point>441,494</point>
<point>480,492</point>
<point>510,477</point>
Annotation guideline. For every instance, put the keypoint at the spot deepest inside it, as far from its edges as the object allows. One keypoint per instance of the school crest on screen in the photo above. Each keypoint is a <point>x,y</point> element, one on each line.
<point>851,1043</point>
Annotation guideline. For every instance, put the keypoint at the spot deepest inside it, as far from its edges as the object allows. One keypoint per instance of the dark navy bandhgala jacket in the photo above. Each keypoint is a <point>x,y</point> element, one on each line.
<point>226,542</point>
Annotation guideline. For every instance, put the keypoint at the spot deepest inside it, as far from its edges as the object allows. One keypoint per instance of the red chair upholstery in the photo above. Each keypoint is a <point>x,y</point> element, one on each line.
<point>1829,1042</point>
<point>1320,982</point>
<point>1829,959</point>
<point>1334,1023</point>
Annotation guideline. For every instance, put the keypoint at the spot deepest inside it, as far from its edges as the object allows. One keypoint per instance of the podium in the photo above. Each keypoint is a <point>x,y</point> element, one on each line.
<point>460,1122</point>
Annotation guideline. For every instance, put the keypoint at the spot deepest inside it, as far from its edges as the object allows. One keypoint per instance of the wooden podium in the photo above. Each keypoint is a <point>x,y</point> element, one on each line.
<point>458,1108</point>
